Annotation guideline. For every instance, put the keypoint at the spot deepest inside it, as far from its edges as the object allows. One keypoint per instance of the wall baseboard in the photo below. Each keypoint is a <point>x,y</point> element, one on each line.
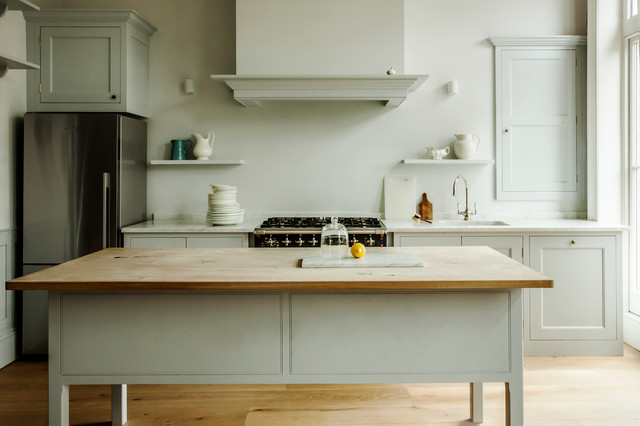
<point>632,330</point>
<point>8,347</point>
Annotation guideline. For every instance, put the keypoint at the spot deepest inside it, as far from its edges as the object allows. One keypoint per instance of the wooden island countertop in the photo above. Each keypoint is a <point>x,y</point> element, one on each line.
<point>255,269</point>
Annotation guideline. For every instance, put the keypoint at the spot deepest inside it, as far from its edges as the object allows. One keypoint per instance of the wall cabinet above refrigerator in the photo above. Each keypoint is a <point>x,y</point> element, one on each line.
<point>90,61</point>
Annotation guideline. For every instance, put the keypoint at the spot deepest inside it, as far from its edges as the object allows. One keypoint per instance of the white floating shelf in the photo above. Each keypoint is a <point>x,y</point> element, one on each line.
<point>391,90</point>
<point>449,162</point>
<point>10,63</point>
<point>23,5</point>
<point>195,162</point>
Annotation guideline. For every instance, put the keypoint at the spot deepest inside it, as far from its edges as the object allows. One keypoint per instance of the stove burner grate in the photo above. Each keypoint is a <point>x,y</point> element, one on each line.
<point>319,222</point>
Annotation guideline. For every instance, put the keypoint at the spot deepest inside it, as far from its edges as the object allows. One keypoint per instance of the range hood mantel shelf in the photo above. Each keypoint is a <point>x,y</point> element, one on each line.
<point>391,90</point>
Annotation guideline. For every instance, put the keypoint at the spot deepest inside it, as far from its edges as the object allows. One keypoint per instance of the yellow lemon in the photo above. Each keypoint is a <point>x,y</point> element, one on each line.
<point>358,250</point>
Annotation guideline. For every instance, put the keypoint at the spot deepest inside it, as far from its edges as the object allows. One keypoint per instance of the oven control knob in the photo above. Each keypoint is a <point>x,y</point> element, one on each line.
<point>299,241</point>
<point>370,241</point>
<point>353,239</point>
<point>271,242</point>
<point>313,241</point>
<point>286,241</point>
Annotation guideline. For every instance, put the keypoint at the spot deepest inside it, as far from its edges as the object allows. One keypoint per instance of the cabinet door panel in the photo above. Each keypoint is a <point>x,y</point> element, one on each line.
<point>582,304</point>
<point>364,333</point>
<point>80,64</point>
<point>509,246</point>
<point>537,128</point>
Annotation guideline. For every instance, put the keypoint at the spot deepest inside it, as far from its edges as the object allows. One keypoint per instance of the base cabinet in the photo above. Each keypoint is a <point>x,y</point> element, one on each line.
<point>579,315</point>
<point>582,313</point>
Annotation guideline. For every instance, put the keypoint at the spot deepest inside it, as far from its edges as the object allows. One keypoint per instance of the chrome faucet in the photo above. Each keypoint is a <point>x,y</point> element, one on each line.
<point>466,212</point>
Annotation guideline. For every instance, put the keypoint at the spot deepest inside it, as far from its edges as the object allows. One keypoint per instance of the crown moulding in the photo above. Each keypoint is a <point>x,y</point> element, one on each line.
<point>391,90</point>
<point>22,5</point>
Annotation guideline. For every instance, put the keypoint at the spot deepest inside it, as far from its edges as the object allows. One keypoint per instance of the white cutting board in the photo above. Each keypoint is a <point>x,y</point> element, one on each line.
<point>399,198</point>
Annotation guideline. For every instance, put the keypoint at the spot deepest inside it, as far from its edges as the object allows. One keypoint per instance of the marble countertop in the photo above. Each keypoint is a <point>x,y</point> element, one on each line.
<point>188,226</point>
<point>509,226</point>
<point>195,224</point>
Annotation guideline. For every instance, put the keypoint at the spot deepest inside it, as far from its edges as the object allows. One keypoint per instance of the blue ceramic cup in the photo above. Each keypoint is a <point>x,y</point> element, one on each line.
<point>179,148</point>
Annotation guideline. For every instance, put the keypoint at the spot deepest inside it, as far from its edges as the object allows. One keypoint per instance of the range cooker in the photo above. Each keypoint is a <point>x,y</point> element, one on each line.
<point>306,231</point>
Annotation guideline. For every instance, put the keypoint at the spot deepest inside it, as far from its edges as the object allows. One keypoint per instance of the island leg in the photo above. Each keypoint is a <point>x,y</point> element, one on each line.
<point>514,387</point>
<point>514,404</point>
<point>58,404</point>
<point>476,392</point>
<point>118,405</point>
<point>58,391</point>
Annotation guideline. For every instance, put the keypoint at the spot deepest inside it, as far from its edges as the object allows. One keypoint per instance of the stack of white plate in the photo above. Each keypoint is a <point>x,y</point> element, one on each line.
<point>223,206</point>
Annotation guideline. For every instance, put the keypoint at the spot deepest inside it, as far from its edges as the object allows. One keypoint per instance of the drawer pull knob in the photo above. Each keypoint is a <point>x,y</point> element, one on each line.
<point>573,242</point>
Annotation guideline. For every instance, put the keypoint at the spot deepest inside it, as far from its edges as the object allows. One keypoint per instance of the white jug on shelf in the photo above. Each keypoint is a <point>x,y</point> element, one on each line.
<point>204,146</point>
<point>466,145</point>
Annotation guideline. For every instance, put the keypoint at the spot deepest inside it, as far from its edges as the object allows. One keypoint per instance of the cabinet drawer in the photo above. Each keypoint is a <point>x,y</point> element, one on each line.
<point>157,242</point>
<point>509,246</point>
<point>227,241</point>
<point>417,240</point>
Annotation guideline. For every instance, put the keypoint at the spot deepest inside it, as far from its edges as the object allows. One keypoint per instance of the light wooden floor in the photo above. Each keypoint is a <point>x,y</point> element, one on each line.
<point>558,392</point>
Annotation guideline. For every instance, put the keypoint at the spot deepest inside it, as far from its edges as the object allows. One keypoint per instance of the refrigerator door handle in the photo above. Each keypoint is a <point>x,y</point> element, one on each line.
<point>106,179</point>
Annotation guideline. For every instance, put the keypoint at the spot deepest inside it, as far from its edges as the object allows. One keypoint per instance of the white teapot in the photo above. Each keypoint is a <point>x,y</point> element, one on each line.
<point>437,154</point>
<point>204,146</point>
<point>466,145</point>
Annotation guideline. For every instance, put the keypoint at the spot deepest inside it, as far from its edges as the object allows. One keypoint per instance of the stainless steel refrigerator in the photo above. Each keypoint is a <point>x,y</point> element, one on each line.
<point>84,179</point>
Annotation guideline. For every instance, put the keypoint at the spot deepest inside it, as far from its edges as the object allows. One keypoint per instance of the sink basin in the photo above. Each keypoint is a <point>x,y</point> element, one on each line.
<point>470,223</point>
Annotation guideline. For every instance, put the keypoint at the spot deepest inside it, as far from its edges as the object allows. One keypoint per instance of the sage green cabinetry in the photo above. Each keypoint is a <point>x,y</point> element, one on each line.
<point>90,61</point>
<point>582,313</point>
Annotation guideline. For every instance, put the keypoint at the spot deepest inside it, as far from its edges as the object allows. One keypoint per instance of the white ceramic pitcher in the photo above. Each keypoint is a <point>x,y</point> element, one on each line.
<point>466,145</point>
<point>204,146</point>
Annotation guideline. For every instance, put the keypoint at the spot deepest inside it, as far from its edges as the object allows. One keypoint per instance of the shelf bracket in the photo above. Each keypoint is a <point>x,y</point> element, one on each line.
<point>3,8</point>
<point>3,69</point>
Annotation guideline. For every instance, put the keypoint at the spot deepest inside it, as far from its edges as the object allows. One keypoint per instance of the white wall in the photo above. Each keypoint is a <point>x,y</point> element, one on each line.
<point>607,37</point>
<point>315,157</point>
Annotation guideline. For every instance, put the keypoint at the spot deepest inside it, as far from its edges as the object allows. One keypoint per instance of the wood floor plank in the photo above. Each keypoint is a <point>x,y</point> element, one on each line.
<point>559,391</point>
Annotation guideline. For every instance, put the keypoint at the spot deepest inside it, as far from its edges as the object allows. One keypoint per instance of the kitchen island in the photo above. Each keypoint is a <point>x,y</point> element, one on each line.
<point>189,316</point>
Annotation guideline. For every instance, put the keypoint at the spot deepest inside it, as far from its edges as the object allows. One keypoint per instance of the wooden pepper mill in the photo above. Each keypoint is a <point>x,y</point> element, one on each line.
<point>425,208</point>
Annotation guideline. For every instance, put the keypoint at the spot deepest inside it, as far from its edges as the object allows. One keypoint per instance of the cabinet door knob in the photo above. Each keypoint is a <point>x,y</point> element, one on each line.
<point>506,130</point>
<point>113,96</point>
<point>573,242</point>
